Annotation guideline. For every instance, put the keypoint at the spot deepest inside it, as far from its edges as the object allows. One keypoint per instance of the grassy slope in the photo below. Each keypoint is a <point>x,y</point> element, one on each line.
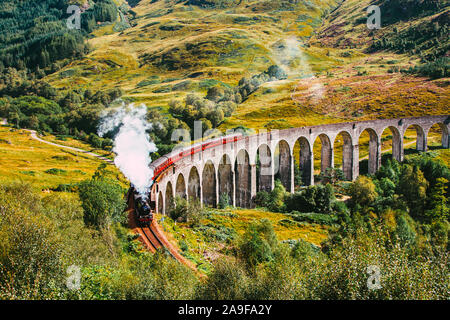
<point>25,159</point>
<point>349,84</point>
<point>213,44</point>
<point>332,79</point>
<point>204,245</point>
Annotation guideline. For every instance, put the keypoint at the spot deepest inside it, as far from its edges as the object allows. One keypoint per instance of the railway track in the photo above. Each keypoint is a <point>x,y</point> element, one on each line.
<point>150,235</point>
<point>153,237</point>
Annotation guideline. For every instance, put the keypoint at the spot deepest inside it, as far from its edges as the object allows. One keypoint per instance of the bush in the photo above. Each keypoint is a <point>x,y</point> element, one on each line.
<point>56,171</point>
<point>224,201</point>
<point>102,201</point>
<point>332,176</point>
<point>30,249</point>
<point>405,230</point>
<point>413,189</point>
<point>228,281</point>
<point>66,187</point>
<point>402,275</point>
<point>317,198</point>
<point>184,211</point>
<point>274,200</point>
<point>362,191</point>
<point>318,218</point>
<point>257,243</point>
<point>262,199</point>
<point>151,277</point>
<point>440,68</point>
<point>277,196</point>
<point>439,233</point>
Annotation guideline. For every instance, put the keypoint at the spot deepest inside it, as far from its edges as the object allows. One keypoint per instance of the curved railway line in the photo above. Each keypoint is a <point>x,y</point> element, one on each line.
<point>150,235</point>
<point>153,237</point>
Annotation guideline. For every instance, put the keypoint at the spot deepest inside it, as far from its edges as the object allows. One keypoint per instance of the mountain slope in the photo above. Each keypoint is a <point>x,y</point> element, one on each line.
<point>332,63</point>
<point>175,47</point>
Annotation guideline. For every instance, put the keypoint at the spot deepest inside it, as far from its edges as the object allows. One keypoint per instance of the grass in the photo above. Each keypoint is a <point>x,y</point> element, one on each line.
<point>75,143</point>
<point>131,57</point>
<point>44,166</point>
<point>219,230</point>
<point>221,45</point>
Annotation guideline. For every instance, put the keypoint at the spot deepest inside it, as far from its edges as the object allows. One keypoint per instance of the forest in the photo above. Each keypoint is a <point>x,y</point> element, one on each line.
<point>314,243</point>
<point>427,39</point>
<point>397,220</point>
<point>34,35</point>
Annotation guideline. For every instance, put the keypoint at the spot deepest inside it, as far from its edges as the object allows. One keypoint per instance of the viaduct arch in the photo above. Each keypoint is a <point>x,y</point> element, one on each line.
<point>238,169</point>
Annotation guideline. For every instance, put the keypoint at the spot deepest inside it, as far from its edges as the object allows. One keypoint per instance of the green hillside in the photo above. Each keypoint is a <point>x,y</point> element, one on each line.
<point>267,64</point>
<point>176,47</point>
<point>332,60</point>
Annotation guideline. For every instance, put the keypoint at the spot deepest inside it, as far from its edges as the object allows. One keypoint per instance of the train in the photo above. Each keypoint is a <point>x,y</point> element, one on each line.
<point>144,210</point>
<point>174,158</point>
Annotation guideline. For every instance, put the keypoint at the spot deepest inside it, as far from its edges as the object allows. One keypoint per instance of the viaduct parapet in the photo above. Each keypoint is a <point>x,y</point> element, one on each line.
<point>237,170</point>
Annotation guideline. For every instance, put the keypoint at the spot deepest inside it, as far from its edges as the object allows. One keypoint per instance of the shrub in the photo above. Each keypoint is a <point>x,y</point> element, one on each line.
<point>257,243</point>
<point>405,229</point>
<point>228,281</point>
<point>434,69</point>
<point>331,175</point>
<point>102,201</point>
<point>67,187</point>
<point>439,233</point>
<point>224,201</point>
<point>56,171</point>
<point>363,192</point>
<point>317,198</point>
<point>412,187</point>
<point>276,198</point>
<point>30,249</point>
<point>402,275</point>
<point>262,199</point>
<point>185,211</point>
<point>318,218</point>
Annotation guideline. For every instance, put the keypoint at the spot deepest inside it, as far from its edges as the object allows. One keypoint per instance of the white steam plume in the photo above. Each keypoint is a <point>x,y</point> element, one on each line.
<point>290,56</point>
<point>132,144</point>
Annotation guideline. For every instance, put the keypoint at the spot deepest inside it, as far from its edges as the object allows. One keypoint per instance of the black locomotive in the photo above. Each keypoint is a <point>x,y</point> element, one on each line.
<point>143,210</point>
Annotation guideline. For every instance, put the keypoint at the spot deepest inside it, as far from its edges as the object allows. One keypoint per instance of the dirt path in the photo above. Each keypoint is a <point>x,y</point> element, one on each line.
<point>390,149</point>
<point>35,137</point>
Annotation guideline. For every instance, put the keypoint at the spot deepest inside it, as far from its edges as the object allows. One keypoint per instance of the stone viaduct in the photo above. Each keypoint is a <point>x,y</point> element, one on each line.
<point>239,169</point>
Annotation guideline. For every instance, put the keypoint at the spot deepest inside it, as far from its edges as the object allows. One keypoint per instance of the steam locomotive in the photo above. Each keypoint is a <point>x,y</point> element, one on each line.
<point>167,161</point>
<point>143,209</point>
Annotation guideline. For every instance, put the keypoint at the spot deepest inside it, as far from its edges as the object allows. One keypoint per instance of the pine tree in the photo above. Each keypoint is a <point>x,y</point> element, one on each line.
<point>413,187</point>
<point>438,201</point>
